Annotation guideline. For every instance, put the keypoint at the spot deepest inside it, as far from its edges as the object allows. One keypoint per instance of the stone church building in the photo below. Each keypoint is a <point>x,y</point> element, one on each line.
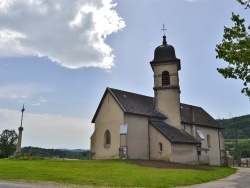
<point>134,126</point>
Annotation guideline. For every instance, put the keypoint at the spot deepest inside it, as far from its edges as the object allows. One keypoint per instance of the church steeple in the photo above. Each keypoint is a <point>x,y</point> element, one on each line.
<point>165,66</point>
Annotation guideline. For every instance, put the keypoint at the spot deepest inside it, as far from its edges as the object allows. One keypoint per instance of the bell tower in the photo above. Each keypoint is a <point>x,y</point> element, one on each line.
<point>165,66</point>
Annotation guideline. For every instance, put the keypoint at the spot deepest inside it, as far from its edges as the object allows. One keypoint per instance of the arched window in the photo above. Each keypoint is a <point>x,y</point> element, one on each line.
<point>160,146</point>
<point>208,141</point>
<point>165,78</point>
<point>107,138</point>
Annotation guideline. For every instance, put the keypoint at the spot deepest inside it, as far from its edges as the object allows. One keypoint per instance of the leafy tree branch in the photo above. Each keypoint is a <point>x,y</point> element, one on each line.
<point>235,49</point>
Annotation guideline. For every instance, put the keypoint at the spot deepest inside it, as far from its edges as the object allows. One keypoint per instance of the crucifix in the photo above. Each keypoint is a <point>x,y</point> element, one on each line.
<point>163,29</point>
<point>18,152</point>
<point>22,115</point>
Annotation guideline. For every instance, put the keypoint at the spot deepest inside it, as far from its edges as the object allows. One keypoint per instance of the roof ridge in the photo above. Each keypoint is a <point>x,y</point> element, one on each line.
<point>110,89</point>
<point>131,92</point>
<point>190,105</point>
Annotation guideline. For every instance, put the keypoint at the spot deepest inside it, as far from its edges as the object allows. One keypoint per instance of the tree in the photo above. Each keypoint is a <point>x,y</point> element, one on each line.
<point>8,142</point>
<point>235,49</point>
<point>245,2</point>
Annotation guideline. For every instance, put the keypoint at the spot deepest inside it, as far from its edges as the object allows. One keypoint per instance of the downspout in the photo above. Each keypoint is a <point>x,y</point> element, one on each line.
<point>149,157</point>
<point>198,154</point>
<point>219,146</point>
<point>193,120</point>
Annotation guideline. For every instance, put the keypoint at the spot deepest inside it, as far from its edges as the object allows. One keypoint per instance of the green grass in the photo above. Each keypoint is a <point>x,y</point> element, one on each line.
<point>107,173</point>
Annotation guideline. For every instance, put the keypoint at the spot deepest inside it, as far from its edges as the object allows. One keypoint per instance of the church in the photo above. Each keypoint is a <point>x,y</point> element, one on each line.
<point>135,126</point>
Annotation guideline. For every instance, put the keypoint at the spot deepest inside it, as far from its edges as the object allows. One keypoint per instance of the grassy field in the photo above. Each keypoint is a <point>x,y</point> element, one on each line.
<point>106,173</point>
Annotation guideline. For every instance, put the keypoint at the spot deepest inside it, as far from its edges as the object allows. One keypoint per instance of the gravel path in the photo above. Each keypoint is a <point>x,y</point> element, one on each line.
<point>241,179</point>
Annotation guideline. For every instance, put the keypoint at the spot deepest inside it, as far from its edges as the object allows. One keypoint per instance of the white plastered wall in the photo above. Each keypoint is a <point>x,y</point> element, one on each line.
<point>155,138</point>
<point>216,144</point>
<point>109,117</point>
<point>137,136</point>
<point>184,153</point>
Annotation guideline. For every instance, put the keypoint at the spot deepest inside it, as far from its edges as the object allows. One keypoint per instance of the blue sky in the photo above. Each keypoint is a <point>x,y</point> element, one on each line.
<point>58,57</point>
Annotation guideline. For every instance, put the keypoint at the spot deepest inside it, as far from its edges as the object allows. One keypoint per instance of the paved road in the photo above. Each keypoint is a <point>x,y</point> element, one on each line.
<point>241,179</point>
<point>24,185</point>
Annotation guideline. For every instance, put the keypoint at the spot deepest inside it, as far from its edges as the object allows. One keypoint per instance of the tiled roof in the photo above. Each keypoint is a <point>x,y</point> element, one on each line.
<point>136,104</point>
<point>173,134</point>
<point>196,115</point>
<point>144,105</point>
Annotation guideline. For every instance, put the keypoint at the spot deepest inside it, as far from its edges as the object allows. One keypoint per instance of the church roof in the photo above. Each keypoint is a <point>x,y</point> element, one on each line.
<point>132,103</point>
<point>144,105</point>
<point>136,104</point>
<point>198,116</point>
<point>173,134</point>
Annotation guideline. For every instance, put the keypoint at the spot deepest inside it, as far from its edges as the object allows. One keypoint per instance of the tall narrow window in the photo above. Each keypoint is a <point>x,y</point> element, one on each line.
<point>107,138</point>
<point>208,141</point>
<point>165,78</point>
<point>160,146</point>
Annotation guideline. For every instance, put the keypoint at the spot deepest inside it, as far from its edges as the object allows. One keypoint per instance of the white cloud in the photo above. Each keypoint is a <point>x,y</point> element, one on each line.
<point>49,131</point>
<point>71,33</point>
<point>43,100</point>
<point>10,44</point>
<point>22,92</point>
<point>35,104</point>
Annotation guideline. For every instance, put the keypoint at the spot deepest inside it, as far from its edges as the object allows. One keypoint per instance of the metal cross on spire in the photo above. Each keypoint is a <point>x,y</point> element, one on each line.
<point>163,29</point>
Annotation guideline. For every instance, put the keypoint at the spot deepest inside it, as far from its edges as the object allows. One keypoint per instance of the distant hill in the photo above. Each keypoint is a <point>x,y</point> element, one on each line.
<point>72,150</point>
<point>240,127</point>
<point>59,153</point>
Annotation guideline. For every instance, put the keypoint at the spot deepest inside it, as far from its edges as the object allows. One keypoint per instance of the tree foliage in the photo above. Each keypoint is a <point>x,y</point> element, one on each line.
<point>235,49</point>
<point>57,153</point>
<point>243,147</point>
<point>8,141</point>
<point>238,126</point>
<point>246,3</point>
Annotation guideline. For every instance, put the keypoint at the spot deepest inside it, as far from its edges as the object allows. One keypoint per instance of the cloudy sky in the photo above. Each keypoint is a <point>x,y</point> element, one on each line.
<point>57,57</point>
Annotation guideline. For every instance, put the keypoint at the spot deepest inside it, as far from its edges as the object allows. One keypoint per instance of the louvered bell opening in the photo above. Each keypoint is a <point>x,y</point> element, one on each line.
<point>165,78</point>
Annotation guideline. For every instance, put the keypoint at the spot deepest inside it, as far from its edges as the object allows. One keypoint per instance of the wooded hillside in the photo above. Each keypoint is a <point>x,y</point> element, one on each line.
<point>239,126</point>
<point>58,153</point>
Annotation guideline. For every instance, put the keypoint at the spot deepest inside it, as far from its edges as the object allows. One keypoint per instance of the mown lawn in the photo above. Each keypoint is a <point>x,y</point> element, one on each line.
<point>107,173</point>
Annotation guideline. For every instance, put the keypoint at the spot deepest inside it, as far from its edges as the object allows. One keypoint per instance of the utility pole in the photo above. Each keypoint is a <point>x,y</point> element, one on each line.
<point>236,143</point>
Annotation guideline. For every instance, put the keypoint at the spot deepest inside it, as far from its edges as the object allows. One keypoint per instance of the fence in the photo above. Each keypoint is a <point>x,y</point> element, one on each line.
<point>241,162</point>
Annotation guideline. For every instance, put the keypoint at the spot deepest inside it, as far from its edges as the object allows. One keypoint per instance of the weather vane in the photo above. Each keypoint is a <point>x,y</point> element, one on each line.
<point>163,29</point>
